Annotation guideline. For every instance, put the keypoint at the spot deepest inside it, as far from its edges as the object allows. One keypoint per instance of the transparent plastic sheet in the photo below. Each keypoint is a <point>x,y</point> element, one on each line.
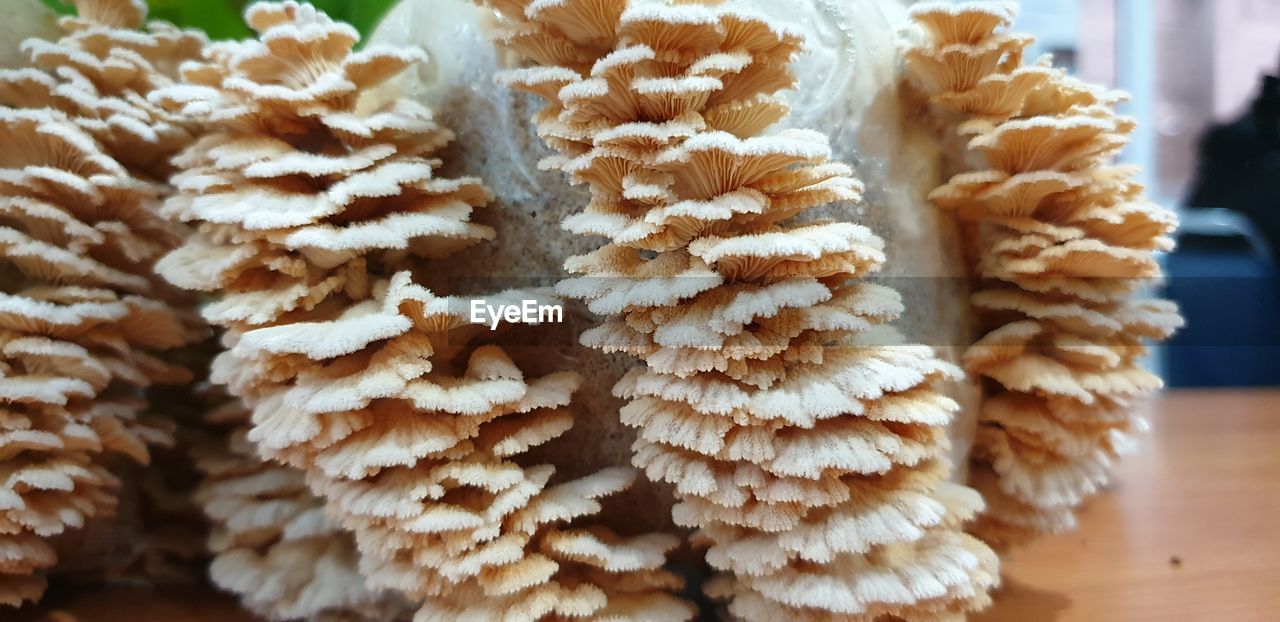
<point>848,82</point>
<point>457,83</point>
<point>24,19</point>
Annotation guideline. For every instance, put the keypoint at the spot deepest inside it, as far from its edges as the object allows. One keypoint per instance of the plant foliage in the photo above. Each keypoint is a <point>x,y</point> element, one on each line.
<point>221,19</point>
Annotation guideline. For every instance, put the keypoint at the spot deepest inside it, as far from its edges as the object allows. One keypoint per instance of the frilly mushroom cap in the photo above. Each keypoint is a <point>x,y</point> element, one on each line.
<point>966,22</point>
<point>997,95</point>
<point>773,398</point>
<point>1066,240</point>
<point>122,14</point>
<point>962,67</point>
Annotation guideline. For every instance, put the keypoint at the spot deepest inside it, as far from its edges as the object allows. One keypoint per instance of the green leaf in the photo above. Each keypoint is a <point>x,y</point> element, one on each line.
<point>365,15</point>
<point>60,7</point>
<point>337,9</point>
<point>220,19</point>
<point>223,19</point>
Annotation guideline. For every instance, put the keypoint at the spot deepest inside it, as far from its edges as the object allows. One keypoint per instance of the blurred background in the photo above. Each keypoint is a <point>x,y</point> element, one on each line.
<point>1202,74</point>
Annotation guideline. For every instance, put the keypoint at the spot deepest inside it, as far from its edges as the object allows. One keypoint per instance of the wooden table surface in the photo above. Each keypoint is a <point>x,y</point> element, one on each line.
<point>1190,531</point>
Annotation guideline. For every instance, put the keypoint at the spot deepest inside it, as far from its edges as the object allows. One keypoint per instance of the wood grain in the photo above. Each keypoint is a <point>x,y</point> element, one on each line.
<point>1190,531</point>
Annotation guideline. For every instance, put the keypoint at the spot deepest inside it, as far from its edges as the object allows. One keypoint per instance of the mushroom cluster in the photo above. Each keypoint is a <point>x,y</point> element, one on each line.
<point>83,320</point>
<point>804,439</point>
<point>1063,243</point>
<point>316,198</point>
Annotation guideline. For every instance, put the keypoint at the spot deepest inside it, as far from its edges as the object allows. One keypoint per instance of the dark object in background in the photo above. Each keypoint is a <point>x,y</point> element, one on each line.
<point>1224,277</point>
<point>1230,297</point>
<point>1239,164</point>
